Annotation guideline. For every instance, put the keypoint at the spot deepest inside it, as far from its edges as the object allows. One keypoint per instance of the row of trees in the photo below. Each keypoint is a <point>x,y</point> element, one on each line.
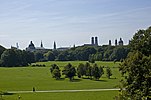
<point>92,72</point>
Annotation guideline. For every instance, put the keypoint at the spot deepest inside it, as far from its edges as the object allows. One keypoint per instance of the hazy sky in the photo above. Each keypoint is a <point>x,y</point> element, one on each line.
<point>70,22</point>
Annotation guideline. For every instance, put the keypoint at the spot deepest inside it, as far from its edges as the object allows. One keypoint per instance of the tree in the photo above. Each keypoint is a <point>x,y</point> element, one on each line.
<point>49,56</point>
<point>137,68</point>
<point>119,53</point>
<point>80,70</point>
<point>96,73</point>
<point>38,56</point>
<point>87,69</point>
<point>141,41</point>
<point>56,74</point>
<point>53,66</point>
<point>137,71</point>
<point>63,56</point>
<point>69,71</point>
<point>55,71</point>
<point>91,58</point>
<point>108,72</point>
<point>10,58</point>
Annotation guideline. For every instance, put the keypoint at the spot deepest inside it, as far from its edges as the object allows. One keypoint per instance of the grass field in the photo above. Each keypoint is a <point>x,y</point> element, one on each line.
<point>105,95</point>
<point>24,78</point>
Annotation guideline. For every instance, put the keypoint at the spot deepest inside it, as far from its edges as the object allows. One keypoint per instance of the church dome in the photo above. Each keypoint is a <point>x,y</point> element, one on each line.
<point>31,45</point>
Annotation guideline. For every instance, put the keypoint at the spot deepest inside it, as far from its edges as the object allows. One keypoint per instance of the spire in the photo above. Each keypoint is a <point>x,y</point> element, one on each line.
<point>54,46</point>
<point>41,45</point>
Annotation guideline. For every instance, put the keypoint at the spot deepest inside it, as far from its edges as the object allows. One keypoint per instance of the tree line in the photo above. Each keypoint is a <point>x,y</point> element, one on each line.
<point>16,58</point>
<point>85,53</point>
<point>83,70</point>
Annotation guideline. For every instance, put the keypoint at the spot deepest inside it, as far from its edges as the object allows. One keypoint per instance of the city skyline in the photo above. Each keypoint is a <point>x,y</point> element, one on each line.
<point>70,22</point>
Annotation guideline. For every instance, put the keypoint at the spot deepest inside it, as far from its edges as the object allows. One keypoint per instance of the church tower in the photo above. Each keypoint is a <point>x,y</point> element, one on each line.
<point>121,42</point>
<point>92,40</point>
<point>116,42</point>
<point>96,41</point>
<point>54,46</point>
<point>110,42</point>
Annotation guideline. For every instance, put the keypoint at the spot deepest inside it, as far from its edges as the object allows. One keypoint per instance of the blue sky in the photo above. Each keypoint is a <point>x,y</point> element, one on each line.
<point>70,22</point>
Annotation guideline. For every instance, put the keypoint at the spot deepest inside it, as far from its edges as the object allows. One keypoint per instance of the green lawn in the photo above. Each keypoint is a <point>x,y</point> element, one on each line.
<point>76,63</point>
<point>105,95</point>
<point>24,78</point>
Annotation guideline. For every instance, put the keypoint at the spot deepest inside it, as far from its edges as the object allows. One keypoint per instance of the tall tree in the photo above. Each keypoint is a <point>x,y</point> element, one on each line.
<point>80,70</point>
<point>96,73</point>
<point>137,68</point>
<point>87,69</point>
<point>141,41</point>
<point>55,71</point>
<point>137,71</point>
<point>69,71</point>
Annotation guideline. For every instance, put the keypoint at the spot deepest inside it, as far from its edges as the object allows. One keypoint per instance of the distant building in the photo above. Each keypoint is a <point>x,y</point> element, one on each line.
<point>54,46</point>
<point>32,47</point>
<point>61,48</point>
<point>110,42</point>
<point>94,42</point>
<point>17,46</point>
<point>121,42</point>
<point>116,42</point>
<point>41,47</point>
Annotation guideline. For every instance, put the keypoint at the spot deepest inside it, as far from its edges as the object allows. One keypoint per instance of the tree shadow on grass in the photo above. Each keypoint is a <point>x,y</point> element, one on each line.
<point>112,78</point>
<point>86,78</point>
<point>101,80</point>
<point>6,93</point>
<point>61,79</point>
<point>76,80</point>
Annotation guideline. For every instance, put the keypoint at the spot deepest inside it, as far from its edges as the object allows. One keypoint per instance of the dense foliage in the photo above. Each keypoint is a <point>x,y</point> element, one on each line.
<point>69,71</point>
<point>15,58</point>
<point>141,41</point>
<point>2,49</point>
<point>136,68</point>
<point>55,71</point>
<point>85,53</point>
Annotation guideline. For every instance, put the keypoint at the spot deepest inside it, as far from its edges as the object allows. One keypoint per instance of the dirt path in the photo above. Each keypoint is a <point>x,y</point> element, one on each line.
<point>57,91</point>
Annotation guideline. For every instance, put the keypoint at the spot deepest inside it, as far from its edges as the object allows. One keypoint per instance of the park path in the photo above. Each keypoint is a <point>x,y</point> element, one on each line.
<point>58,91</point>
